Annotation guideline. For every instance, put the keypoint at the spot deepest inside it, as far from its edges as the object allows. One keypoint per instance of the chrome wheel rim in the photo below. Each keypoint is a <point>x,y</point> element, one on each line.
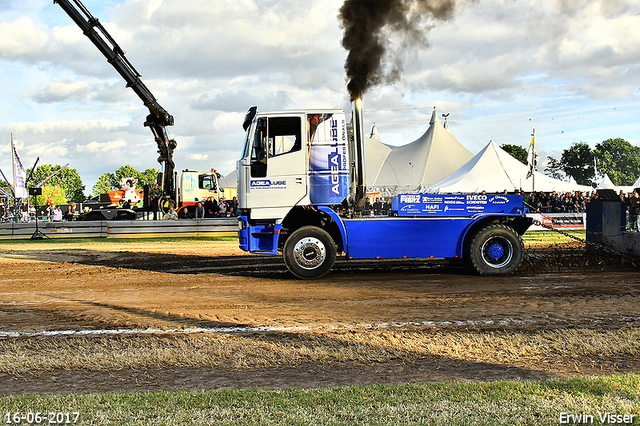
<point>309,253</point>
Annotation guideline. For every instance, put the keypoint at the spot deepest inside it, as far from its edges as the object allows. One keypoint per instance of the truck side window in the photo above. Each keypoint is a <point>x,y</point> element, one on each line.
<point>259,150</point>
<point>284,135</point>
<point>207,182</point>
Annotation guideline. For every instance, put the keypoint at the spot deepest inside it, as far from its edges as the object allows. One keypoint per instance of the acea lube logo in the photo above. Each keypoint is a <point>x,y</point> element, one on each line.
<point>337,161</point>
<point>268,184</point>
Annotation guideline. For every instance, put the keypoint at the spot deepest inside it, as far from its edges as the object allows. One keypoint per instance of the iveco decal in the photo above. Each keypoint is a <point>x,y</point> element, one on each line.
<point>268,184</point>
<point>477,199</point>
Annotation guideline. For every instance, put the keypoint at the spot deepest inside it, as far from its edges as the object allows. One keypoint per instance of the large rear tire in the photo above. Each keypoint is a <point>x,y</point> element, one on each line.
<point>495,250</point>
<point>309,253</point>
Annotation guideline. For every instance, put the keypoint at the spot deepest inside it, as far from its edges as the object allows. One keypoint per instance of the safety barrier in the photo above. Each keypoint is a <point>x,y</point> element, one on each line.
<point>123,228</point>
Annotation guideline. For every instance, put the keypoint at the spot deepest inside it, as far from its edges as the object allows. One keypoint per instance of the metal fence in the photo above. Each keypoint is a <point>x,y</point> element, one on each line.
<point>123,228</point>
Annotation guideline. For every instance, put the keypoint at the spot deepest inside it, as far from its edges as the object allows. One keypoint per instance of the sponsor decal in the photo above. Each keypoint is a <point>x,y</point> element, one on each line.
<point>268,184</point>
<point>409,198</point>
<point>337,161</point>
<point>410,208</point>
<point>498,199</point>
<point>477,199</point>
<point>426,199</point>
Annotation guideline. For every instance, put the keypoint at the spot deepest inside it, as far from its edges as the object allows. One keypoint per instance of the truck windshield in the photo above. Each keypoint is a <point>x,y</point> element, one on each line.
<point>207,182</point>
<point>247,144</point>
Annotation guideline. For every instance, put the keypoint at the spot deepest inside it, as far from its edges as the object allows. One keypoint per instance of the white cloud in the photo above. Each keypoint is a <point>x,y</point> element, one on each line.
<point>500,67</point>
<point>116,146</point>
<point>60,90</point>
<point>198,157</point>
<point>21,39</point>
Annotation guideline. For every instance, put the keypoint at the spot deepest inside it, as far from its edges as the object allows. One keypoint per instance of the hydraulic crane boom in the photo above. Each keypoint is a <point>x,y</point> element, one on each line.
<point>158,118</point>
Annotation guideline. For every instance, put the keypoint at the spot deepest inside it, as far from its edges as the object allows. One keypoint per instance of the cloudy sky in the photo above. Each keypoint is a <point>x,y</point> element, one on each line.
<point>568,68</point>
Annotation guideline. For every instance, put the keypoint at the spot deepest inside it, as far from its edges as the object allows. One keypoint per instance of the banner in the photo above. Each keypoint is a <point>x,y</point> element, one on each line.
<point>19,175</point>
<point>531,155</point>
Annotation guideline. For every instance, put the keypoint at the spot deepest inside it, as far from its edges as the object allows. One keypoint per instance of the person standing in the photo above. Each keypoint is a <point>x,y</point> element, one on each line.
<point>57,214</point>
<point>170,214</point>
<point>223,207</point>
<point>200,211</point>
<point>634,211</point>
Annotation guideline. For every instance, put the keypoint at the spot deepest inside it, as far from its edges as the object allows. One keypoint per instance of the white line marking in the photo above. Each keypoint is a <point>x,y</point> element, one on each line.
<point>241,329</point>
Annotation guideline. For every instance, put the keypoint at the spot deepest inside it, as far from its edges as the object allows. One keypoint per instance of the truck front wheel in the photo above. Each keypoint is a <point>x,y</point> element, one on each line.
<point>495,250</point>
<point>309,253</point>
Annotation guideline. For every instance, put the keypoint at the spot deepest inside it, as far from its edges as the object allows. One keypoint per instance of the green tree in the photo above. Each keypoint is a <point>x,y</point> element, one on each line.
<point>106,182</point>
<point>53,193</point>
<point>148,177</point>
<point>554,169</point>
<point>577,162</point>
<point>112,181</point>
<point>517,152</point>
<point>619,160</point>
<point>68,179</point>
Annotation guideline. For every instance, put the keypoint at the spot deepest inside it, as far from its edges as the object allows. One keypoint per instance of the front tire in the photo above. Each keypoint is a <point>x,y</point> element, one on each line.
<point>495,250</point>
<point>309,253</point>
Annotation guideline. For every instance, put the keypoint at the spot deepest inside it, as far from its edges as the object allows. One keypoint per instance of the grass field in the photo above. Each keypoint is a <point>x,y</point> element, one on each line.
<point>449,403</point>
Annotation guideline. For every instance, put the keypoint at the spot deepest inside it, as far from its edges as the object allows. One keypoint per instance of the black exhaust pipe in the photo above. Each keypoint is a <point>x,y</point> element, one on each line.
<point>358,190</point>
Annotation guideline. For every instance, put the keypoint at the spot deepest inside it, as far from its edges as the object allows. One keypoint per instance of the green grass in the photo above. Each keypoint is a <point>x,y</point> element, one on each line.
<point>448,403</point>
<point>98,240</point>
<point>551,237</point>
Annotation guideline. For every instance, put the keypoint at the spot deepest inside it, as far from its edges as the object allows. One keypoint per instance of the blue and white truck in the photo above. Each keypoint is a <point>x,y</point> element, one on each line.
<point>301,189</point>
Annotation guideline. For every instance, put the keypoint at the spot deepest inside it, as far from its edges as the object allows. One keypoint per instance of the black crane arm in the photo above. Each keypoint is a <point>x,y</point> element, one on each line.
<point>159,118</point>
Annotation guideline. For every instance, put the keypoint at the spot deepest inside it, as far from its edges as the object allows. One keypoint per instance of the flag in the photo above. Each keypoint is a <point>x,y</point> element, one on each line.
<point>531,156</point>
<point>19,175</point>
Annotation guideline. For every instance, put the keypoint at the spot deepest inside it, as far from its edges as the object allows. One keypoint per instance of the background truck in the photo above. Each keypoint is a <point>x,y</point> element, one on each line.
<point>193,187</point>
<point>192,184</point>
<point>301,189</point>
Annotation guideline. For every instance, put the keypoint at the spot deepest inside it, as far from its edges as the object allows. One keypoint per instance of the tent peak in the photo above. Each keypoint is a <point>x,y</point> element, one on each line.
<point>434,117</point>
<point>374,131</point>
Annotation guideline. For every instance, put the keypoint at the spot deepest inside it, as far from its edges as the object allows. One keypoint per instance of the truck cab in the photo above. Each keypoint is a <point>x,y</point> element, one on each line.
<point>197,186</point>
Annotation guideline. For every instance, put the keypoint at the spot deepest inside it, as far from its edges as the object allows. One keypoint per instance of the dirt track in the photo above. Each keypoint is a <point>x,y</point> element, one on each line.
<point>118,285</point>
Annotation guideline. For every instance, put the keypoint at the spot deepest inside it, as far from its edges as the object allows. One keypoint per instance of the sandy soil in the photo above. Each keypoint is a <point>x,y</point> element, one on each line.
<point>178,285</point>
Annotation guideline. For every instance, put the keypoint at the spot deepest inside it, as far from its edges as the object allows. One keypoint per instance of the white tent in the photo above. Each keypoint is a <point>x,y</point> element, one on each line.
<point>494,170</point>
<point>606,183</point>
<point>433,156</point>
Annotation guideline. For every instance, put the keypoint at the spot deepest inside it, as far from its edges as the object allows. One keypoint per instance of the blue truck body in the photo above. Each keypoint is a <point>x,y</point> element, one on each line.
<point>421,226</point>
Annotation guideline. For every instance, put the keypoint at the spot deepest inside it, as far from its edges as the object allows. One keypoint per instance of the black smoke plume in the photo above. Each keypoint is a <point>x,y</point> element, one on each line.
<point>367,25</point>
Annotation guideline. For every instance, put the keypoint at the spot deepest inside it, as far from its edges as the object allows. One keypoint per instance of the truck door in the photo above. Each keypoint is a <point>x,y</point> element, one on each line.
<point>277,172</point>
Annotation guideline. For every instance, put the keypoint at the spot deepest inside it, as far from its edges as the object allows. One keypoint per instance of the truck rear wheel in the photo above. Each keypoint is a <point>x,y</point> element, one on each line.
<point>309,253</point>
<point>495,250</point>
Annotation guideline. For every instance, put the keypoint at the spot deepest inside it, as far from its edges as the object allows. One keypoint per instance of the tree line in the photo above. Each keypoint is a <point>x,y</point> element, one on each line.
<point>66,185</point>
<point>617,158</point>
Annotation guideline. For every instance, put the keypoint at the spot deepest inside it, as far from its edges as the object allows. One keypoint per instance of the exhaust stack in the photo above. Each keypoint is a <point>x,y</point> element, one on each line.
<point>358,190</point>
